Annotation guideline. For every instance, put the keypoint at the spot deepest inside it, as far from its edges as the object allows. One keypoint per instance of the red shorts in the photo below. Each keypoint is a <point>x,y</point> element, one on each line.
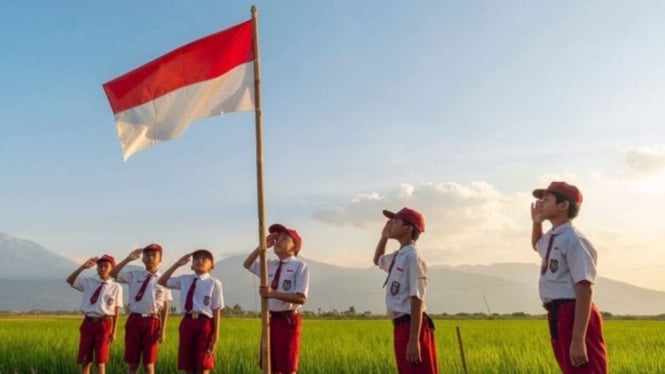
<point>285,331</point>
<point>141,339</point>
<point>427,347</point>
<point>595,344</point>
<point>94,342</point>
<point>195,337</point>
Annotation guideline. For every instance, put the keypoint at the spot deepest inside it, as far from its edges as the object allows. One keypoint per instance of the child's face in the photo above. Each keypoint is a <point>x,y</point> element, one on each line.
<point>151,259</point>
<point>399,228</point>
<point>201,264</point>
<point>104,269</point>
<point>284,245</point>
<point>550,209</point>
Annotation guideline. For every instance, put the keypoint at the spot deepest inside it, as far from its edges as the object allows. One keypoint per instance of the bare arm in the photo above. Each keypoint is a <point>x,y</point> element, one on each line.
<point>270,241</point>
<point>135,254</point>
<point>163,317</point>
<point>578,351</point>
<point>537,228</point>
<point>86,265</point>
<point>215,330</point>
<point>381,245</point>
<point>167,274</point>
<point>413,346</point>
<point>114,329</point>
<point>293,298</point>
<point>251,258</point>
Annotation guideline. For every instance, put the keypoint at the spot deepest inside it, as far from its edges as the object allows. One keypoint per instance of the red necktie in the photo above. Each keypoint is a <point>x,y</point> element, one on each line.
<point>390,268</point>
<point>95,296</point>
<point>275,281</point>
<point>543,266</point>
<point>189,302</point>
<point>139,295</point>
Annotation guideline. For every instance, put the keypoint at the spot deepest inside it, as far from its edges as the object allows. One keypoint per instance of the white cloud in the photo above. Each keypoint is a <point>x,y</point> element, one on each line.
<point>644,160</point>
<point>464,223</point>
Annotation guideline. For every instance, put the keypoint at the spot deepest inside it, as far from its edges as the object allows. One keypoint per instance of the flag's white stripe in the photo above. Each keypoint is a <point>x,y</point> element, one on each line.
<point>168,116</point>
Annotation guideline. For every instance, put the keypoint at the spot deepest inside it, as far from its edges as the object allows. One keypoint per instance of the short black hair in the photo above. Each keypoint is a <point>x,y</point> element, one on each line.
<point>415,233</point>
<point>573,207</point>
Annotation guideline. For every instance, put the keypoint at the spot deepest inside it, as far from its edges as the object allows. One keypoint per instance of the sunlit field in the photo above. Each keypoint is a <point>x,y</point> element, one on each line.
<point>48,344</point>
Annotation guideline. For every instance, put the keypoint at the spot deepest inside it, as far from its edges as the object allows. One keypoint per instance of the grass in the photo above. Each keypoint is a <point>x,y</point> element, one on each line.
<point>48,344</point>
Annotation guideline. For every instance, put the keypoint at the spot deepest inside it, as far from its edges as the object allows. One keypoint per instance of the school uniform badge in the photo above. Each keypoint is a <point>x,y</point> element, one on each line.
<point>206,300</point>
<point>394,288</point>
<point>110,301</point>
<point>554,265</point>
<point>286,285</point>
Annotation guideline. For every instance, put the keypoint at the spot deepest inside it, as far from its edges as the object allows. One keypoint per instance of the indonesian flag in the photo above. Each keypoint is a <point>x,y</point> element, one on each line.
<point>159,100</point>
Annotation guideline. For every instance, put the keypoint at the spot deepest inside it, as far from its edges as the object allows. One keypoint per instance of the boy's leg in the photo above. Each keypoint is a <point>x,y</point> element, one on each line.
<point>150,342</point>
<point>427,349</point>
<point>102,333</point>
<point>204,360</point>
<point>595,343</point>
<point>285,332</point>
<point>85,351</point>
<point>132,344</point>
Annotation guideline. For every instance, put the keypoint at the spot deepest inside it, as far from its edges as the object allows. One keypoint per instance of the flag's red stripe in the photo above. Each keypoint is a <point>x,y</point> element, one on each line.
<point>200,60</point>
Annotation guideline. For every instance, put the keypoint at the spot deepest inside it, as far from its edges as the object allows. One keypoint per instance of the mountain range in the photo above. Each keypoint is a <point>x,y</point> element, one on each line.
<point>32,278</point>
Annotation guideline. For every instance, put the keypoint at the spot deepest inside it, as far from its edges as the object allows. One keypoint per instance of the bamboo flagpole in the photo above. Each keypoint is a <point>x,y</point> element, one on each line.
<point>461,350</point>
<point>265,317</point>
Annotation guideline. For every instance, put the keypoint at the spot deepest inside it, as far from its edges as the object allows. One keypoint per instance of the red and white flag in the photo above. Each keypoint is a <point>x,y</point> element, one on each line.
<point>159,100</point>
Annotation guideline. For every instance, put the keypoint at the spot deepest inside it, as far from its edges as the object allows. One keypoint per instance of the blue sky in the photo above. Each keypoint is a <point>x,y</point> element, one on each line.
<point>458,109</point>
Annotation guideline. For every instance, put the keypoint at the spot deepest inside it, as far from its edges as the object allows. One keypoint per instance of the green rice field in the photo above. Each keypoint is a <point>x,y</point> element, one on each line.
<point>48,344</point>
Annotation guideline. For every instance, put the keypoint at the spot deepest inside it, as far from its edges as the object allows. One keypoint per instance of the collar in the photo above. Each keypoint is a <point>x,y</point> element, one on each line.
<point>203,276</point>
<point>561,228</point>
<point>287,259</point>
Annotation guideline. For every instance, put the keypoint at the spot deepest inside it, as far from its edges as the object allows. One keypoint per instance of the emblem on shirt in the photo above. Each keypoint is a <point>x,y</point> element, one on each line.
<point>206,300</point>
<point>286,285</point>
<point>394,288</point>
<point>554,265</point>
<point>110,301</point>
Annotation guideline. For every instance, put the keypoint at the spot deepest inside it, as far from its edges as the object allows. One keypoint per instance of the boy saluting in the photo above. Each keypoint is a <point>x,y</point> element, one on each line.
<point>413,332</point>
<point>202,301</point>
<point>102,300</point>
<point>148,305</point>
<point>567,273</point>
<point>289,284</point>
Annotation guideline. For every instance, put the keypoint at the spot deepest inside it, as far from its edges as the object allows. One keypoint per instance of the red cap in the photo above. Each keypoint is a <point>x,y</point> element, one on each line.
<point>153,247</point>
<point>107,258</point>
<point>409,215</point>
<point>204,252</point>
<point>292,233</point>
<point>568,190</point>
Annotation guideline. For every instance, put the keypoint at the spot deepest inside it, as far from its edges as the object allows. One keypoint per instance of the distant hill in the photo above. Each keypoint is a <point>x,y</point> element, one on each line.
<point>498,288</point>
<point>23,259</point>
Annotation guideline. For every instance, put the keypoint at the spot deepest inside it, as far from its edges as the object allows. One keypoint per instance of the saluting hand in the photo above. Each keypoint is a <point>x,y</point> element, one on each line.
<point>183,260</point>
<point>92,261</point>
<point>270,240</point>
<point>535,212</point>
<point>135,254</point>
<point>386,229</point>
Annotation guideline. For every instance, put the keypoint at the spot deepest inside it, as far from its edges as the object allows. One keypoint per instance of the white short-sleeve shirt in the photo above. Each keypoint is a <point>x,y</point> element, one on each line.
<point>294,278</point>
<point>110,296</point>
<point>408,278</point>
<point>572,260</point>
<point>154,295</point>
<point>208,294</point>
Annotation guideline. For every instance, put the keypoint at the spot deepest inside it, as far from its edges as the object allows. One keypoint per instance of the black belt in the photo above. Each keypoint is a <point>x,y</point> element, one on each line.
<point>283,313</point>
<point>144,315</point>
<point>407,318</point>
<point>553,314</point>
<point>196,315</point>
